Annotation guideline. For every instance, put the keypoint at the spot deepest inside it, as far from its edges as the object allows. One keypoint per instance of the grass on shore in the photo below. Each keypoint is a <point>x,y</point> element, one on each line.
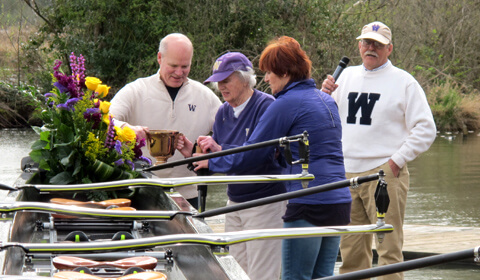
<point>453,109</point>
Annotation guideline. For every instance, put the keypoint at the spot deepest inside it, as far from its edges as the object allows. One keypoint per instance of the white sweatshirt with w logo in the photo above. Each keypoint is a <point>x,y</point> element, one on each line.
<point>385,114</point>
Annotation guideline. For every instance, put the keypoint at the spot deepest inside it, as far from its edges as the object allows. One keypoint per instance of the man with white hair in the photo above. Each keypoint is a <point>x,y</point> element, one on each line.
<point>169,100</point>
<point>386,122</point>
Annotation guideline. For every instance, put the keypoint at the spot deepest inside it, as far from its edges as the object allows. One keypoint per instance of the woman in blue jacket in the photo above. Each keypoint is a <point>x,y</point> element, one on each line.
<point>300,106</point>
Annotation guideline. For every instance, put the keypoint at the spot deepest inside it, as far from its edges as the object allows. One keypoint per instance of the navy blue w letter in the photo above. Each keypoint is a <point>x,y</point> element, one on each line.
<point>366,102</point>
<point>192,107</point>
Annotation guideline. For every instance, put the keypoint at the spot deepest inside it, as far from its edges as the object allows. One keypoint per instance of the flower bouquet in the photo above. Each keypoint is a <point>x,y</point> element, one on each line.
<point>79,142</point>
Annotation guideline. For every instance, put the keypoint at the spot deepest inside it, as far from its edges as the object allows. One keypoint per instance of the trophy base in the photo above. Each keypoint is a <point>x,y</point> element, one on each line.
<point>160,160</point>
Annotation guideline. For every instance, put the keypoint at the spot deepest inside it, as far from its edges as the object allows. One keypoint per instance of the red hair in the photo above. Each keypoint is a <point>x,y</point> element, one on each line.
<point>285,56</point>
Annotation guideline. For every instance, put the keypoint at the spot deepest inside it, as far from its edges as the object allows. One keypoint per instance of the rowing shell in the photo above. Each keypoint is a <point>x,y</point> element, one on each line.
<point>170,182</point>
<point>212,239</point>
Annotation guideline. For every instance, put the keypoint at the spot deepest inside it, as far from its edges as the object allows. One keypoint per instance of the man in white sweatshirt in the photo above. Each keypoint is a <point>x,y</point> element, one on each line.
<point>386,122</point>
<point>169,100</point>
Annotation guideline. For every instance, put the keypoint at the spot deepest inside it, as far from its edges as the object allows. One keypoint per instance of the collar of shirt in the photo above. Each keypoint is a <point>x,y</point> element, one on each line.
<point>378,68</point>
<point>237,110</point>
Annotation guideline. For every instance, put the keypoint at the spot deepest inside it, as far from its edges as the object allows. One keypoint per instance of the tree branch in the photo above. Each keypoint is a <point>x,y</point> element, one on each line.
<point>33,5</point>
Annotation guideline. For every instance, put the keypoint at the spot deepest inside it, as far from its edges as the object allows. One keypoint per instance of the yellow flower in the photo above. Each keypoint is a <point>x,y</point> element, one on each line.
<point>125,135</point>
<point>106,118</point>
<point>102,90</point>
<point>105,106</point>
<point>92,83</point>
<point>129,134</point>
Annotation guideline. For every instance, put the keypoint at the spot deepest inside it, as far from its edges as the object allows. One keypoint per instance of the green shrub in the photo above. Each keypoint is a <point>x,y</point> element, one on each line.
<point>452,109</point>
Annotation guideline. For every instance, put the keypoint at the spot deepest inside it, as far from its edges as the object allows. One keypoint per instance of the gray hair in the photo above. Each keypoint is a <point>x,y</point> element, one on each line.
<point>162,47</point>
<point>247,76</point>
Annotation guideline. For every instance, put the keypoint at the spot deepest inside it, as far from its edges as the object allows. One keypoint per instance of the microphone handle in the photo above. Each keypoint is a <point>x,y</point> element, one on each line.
<point>337,72</point>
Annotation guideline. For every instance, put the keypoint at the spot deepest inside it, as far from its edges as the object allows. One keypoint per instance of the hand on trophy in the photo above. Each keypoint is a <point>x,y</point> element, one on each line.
<point>184,146</point>
<point>140,131</point>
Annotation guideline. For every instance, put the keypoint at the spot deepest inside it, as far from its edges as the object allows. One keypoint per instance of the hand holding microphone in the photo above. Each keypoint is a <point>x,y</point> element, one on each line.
<point>341,65</point>
<point>328,84</point>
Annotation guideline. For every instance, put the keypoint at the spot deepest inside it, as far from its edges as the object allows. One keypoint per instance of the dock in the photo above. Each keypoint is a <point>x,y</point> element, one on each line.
<point>426,240</point>
<point>420,240</point>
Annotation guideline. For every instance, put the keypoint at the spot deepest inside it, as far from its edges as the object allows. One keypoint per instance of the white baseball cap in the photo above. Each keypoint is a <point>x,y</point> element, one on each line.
<point>376,31</point>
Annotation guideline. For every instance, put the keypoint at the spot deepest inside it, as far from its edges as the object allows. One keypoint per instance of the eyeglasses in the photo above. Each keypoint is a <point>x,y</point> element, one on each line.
<point>377,45</point>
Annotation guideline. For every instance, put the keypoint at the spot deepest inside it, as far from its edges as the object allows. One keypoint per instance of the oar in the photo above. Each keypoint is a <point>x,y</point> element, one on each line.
<point>7,188</point>
<point>170,182</point>
<point>120,202</point>
<point>87,212</point>
<point>280,141</point>
<point>145,275</point>
<point>212,239</point>
<point>409,265</point>
<point>68,262</point>
<point>281,197</point>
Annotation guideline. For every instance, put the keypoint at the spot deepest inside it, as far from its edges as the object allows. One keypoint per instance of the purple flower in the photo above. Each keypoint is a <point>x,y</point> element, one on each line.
<point>57,65</point>
<point>129,162</point>
<point>66,83</point>
<point>77,64</point>
<point>72,101</point>
<point>138,148</point>
<point>118,147</point>
<point>60,87</point>
<point>109,139</point>
<point>47,97</point>
<point>145,159</point>
<point>119,162</point>
<point>63,106</point>
<point>93,115</point>
<point>69,105</point>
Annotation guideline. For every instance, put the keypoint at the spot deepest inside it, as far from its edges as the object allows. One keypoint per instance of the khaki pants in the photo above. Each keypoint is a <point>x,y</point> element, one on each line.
<point>261,259</point>
<point>356,250</point>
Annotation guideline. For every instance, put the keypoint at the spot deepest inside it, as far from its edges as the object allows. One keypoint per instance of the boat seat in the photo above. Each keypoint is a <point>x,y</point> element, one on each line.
<point>80,236</point>
<point>133,270</point>
<point>83,269</point>
<point>122,235</point>
<point>77,236</point>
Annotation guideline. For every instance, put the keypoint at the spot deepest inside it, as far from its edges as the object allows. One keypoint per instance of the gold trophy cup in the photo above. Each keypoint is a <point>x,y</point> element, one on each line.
<point>162,143</point>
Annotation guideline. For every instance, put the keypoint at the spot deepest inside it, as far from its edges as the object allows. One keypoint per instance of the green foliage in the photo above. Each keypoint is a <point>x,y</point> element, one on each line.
<point>120,38</point>
<point>16,105</point>
<point>452,109</point>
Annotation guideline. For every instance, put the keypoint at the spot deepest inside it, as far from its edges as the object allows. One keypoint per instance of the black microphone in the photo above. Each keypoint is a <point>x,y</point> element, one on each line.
<point>341,65</point>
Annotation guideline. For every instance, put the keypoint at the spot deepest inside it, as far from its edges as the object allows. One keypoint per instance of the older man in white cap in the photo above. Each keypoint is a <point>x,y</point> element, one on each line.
<point>386,122</point>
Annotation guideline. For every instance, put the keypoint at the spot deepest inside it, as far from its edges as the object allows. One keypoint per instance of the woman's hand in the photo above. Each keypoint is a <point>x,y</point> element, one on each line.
<point>200,164</point>
<point>207,144</point>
